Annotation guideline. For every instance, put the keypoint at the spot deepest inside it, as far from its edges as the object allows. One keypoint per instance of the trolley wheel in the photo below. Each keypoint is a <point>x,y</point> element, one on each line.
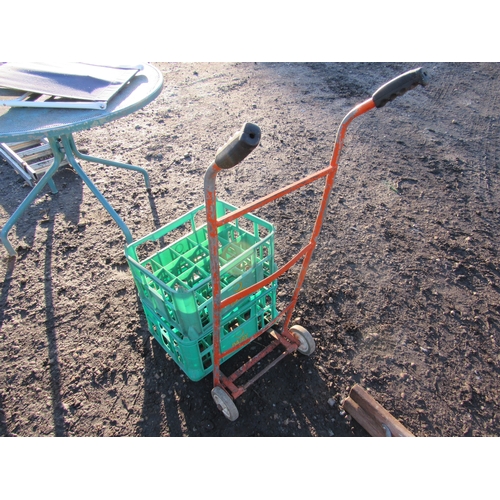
<point>225,403</point>
<point>307,344</point>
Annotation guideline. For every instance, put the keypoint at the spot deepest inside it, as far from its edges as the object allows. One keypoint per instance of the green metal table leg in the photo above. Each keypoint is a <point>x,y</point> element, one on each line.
<point>70,155</point>
<point>52,186</point>
<point>110,163</point>
<point>71,152</point>
<point>47,178</point>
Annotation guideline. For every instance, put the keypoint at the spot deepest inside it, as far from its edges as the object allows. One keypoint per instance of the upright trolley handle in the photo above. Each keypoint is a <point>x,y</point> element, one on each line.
<point>399,86</point>
<point>241,144</point>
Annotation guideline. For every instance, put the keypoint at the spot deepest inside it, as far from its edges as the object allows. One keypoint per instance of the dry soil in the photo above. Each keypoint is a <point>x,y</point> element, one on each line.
<point>402,295</point>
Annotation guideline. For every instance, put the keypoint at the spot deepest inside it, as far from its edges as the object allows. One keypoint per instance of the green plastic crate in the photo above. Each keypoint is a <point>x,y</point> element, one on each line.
<point>175,286</point>
<point>195,357</point>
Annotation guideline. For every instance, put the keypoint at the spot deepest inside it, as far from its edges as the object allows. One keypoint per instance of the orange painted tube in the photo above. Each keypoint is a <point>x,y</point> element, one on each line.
<point>305,254</point>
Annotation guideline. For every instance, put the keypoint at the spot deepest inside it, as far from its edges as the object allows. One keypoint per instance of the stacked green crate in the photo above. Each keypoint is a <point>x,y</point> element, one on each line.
<point>175,286</point>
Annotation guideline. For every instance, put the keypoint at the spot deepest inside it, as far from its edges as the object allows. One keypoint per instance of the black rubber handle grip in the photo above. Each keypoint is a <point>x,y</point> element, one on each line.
<point>399,86</point>
<point>241,144</point>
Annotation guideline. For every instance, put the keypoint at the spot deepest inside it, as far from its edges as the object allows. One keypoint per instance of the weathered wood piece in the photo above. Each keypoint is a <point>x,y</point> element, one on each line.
<point>372,416</point>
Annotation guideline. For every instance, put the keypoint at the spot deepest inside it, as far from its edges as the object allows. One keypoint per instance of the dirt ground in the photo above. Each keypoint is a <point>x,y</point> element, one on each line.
<point>402,295</point>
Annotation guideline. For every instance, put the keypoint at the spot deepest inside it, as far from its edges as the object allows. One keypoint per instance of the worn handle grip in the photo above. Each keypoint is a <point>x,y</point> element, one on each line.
<point>241,144</point>
<point>399,86</point>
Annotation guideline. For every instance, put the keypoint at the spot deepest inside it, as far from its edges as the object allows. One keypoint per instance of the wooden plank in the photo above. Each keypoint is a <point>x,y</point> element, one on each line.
<point>363,418</point>
<point>35,153</point>
<point>16,146</point>
<point>39,168</point>
<point>373,415</point>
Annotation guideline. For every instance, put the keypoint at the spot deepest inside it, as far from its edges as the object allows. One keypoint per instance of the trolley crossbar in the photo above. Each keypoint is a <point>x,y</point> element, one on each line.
<point>229,382</point>
<point>247,341</point>
<point>257,286</point>
<point>273,196</point>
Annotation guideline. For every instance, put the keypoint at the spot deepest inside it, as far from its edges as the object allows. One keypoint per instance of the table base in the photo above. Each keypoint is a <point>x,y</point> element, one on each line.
<point>72,154</point>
